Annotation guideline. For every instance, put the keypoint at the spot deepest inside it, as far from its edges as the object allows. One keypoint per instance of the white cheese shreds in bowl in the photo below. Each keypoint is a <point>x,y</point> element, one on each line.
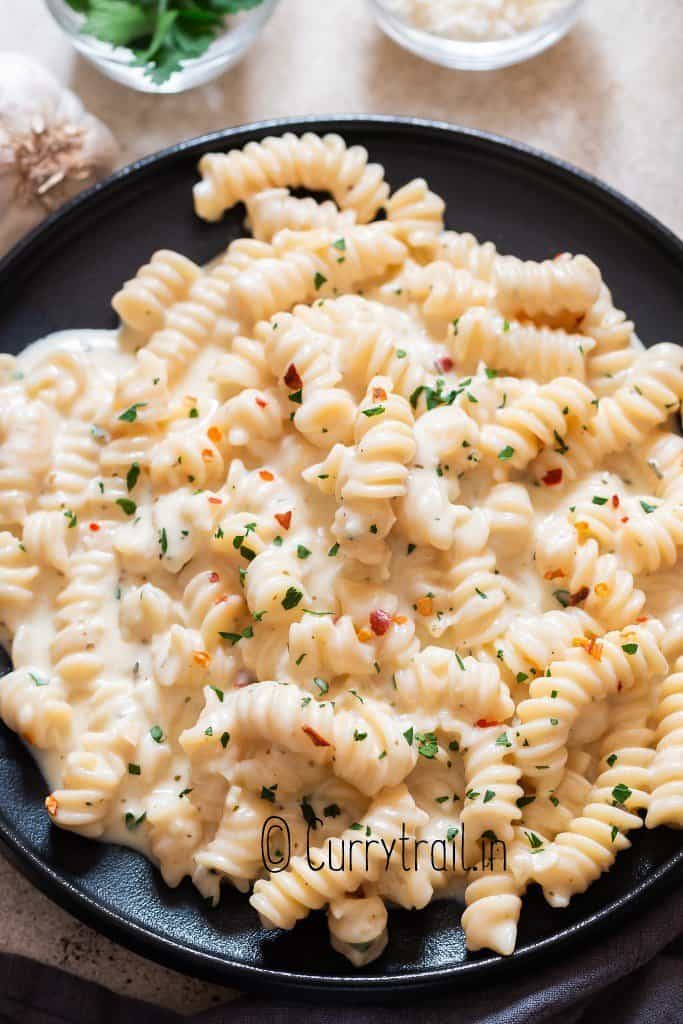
<point>476,34</point>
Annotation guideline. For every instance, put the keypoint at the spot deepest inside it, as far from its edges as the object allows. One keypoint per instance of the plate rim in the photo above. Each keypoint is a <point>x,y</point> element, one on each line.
<point>211,966</point>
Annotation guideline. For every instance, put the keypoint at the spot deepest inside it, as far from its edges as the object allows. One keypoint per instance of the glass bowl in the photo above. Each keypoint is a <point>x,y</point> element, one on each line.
<point>241,31</point>
<point>469,55</point>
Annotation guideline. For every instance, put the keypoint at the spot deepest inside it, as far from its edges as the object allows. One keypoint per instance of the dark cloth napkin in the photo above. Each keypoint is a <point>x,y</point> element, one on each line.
<point>633,976</point>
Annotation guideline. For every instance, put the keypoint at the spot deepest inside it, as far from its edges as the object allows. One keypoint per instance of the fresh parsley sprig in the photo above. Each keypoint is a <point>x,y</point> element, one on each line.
<point>161,34</point>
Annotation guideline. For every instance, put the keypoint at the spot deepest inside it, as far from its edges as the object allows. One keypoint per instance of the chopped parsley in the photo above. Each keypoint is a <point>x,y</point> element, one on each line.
<point>131,414</point>
<point>127,505</point>
<point>291,598</point>
<point>132,476</point>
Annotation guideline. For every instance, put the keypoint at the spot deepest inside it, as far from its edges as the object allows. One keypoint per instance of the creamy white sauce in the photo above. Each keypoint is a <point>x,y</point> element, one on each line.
<point>150,535</point>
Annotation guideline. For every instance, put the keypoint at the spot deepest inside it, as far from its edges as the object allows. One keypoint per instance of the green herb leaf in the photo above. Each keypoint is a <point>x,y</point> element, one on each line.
<point>621,793</point>
<point>132,476</point>
<point>130,415</point>
<point>291,598</point>
<point>128,506</point>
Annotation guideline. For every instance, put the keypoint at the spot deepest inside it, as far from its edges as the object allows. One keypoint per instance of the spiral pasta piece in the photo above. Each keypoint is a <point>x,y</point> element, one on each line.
<point>578,856</point>
<point>45,537</point>
<point>446,291</point>
<point>279,712</point>
<point>275,209</point>
<point>68,485</point>
<point>244,366</point>
<point>235,850</point>
<point>522,348</point>
<point>90,780</point>
<point>143,301</point>
<point>358,928</point>
<point>493,907</point>
<point>623,419</point>
<point>532,642</point>
<point>666,771</point>
<point>466,252</point>
<point>591,671</point>
<point>567,284</point>
<point>594,581</point>
<point>417,213</point>
<point>536,421</point>
<point>663,457</point>
<point>288,897</point>
<point>17,578</point>
<point>437,681</point>
<point>24,457</point>
<point>492,787</point>
<point>318,164</point>
<point>330,647</point>
<point>175,829</point>
<point>210,607</point>
<point>78,617</point>
<point>299,355</point>
<point>615,350</point>
<point>58,380</point>
<point>370,748</point>
<point>42,719</point>
<point>652,541</point>
<point>309,264</point>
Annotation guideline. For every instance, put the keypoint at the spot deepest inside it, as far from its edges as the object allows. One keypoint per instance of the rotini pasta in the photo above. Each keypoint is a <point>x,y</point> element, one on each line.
<point>346,571</point>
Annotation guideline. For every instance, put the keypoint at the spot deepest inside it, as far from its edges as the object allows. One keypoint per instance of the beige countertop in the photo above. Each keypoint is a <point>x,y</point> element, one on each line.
<point>608,98</point>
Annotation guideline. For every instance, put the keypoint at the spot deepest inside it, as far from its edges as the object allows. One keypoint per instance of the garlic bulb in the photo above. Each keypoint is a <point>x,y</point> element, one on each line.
<point>50,146</point>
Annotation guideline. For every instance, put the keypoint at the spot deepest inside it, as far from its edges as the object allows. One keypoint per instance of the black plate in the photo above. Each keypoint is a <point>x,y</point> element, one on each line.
<point>63,276</point>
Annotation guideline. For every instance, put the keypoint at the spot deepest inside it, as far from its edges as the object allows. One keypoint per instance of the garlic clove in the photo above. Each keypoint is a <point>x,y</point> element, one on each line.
<point>50,146</point>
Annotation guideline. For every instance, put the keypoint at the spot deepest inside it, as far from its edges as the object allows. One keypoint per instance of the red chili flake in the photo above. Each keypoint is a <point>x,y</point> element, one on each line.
<point>265,474</point>
<point>592,646</point>
<point>207,454</point>
<point>380,621</point>
<point>214,577</point>
<point>579,596</point>
<point>292,378</point>
<point>284,519</point>
<point>379,395</point>
<point>215,501</point>
<point>553,574</point>
<point>484,723</point>
<point>261,402</point>
<point>94,527</point>
<point>642,618</point>
<point>624,519</point>
<point>595,648</point>
<point>620,687</point>
<point>615,501</point>
<point>318,740</point>
<point>552,477</point>
<point>444,364</point>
